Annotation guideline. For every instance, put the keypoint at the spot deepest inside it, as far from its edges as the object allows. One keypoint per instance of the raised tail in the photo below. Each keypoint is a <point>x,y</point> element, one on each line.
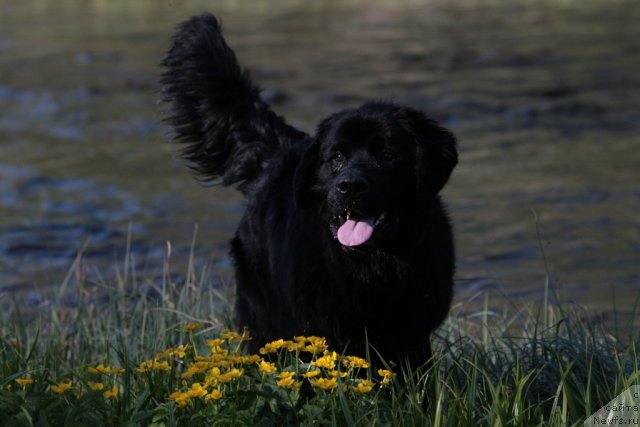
<point>229,133</point>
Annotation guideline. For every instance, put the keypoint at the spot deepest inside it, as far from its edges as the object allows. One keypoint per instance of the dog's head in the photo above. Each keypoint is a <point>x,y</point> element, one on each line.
<point>371,170</point>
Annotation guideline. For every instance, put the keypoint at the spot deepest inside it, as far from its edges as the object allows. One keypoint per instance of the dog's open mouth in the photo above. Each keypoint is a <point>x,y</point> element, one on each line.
<point>356,230</point>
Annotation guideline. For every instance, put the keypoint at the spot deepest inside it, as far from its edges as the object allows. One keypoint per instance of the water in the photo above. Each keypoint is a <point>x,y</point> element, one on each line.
<point>544,97</point>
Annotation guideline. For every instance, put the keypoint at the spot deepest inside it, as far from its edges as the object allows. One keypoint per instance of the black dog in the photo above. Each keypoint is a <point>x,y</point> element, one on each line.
<point>344,234</point>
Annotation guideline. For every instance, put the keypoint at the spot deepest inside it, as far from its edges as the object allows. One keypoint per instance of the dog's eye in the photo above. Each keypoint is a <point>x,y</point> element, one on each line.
<point>388,155</point>
<point>338,158</point>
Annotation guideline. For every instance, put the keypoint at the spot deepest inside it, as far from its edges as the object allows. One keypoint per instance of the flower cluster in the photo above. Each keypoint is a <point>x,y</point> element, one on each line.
<point>224,370</point>
<point>104,373</point>
<point>105,370</point>
<point>104,376</point>
<point>313,345</point>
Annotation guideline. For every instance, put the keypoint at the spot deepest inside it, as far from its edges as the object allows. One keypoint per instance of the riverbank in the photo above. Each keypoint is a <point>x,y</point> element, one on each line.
<point>134,350</point>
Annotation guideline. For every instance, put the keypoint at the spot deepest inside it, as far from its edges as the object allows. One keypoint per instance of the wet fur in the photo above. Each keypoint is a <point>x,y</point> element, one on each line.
<point>293,276</point>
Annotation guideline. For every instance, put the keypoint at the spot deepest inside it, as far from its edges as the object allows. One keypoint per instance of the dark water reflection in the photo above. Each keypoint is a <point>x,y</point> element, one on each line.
<point>544,98</point>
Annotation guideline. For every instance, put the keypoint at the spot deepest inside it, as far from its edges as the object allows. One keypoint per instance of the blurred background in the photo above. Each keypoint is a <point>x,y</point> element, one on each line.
<point>543,96</point>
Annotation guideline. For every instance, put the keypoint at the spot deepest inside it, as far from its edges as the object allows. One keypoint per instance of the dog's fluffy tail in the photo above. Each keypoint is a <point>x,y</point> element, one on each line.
<point>229,133</point>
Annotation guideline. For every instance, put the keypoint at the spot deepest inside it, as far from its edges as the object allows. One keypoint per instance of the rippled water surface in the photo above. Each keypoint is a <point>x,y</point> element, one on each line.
<point>544,97</point>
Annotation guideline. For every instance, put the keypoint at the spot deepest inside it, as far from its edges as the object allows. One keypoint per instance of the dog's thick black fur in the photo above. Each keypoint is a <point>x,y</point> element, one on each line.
<point>344,234</point>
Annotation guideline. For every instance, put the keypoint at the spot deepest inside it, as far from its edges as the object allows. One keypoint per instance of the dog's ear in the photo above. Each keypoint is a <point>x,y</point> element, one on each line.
<point>306,175</point>
<point>436,152</point>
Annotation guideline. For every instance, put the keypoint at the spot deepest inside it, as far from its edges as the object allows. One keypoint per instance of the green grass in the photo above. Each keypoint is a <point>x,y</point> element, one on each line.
<point>520,366</point>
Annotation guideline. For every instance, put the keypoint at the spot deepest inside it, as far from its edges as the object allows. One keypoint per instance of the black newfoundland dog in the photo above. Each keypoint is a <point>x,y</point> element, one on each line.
<point>344,234</point>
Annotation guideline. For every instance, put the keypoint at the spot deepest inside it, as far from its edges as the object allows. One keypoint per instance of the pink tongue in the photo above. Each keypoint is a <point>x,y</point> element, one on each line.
<point>354,233</point>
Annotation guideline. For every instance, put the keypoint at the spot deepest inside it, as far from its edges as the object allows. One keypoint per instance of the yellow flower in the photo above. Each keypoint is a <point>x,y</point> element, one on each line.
<point>216,346</point>
<point>235,337</point>
<point>102,369</point>
<point>95,386</point>
<point>190,327</point>
<point>230,375</point>
<point>353,362</point>
<point>24,381</point>
<point>197,390</point>
<point>215,395</point>
<point>181,399</point>
<point>62,387</point>
<point>111,394</point>
<point>325,383</point>
<point>217,360</point>
<point>316,345</point>
<point>153,364</point>
<point>98,370</point>
<point>211,381</point>
<point>386,373</point>
<point>335,373</point>
<point>145,366</point>
<point>162,366</point>
<point>285,382</point>
<point>193,370</point>
<point>115,370</point>
<point>267,367</point>
<point>274,346</point>
<point>179,352</point>
<point>295,346</point>
<point>327,361</point>
<point>364,387</point>
<point>235,359</point>
<point>235,372</point>
<point>215,372</point>
<point>288,382</point>
<point>286,374</point>
<point>252,358</point>
<point>311,374</point>
<point>387,376</point>
<point>215,342</point>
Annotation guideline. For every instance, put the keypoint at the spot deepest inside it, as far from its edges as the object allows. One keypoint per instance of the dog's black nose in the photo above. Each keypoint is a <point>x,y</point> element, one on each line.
<point>351,185</point>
